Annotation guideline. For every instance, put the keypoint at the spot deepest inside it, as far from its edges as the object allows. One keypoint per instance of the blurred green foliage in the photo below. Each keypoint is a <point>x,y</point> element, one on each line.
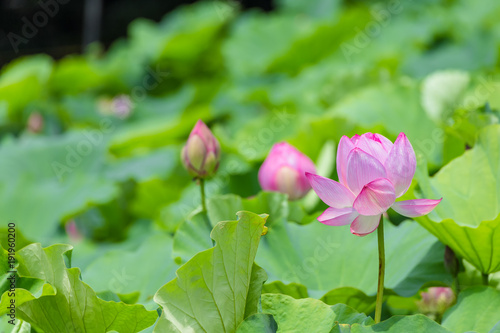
<point>94,139</point>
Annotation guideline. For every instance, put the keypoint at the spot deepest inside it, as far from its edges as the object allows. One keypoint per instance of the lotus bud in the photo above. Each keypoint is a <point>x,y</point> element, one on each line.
<point>122,106</point>
<point>35,122</point>
<point>435,301</point>
<point>72,230</point>
<point>284,171</point>
<point>201,154</point>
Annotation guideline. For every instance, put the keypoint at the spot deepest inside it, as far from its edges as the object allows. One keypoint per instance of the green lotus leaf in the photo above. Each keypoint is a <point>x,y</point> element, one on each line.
<point>296,314</point>
<point>219,287</point>
<point>65,296</point>
<point>66,178</point>
<point>126,272</point>
<point>398,324</point>
<point>468,219</point>
<point>477,309</point>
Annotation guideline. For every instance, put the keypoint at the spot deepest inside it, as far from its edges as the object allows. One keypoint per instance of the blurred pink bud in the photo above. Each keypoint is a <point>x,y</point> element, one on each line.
<point>122,106</point>
<point>284,170</point>
<point>372,172</point>
<point>201,154</point>
<point>436,300</point>
<point>72,231</point>
<point>35,122</point>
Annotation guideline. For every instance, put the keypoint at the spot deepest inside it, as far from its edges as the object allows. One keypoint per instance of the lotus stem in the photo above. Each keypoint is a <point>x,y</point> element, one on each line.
<point>485,279</point>
<point>204,204</point>
<point>381,272</point>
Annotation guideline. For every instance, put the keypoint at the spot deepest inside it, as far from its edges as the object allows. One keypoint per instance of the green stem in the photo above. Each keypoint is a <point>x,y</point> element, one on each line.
<point>381,272</point>
<point>485,279</point>
<point>204,204</point>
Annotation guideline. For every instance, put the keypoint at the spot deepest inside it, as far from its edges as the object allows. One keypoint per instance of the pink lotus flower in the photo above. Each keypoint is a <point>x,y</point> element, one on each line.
<point>284,171</point>
<point>372,172</point>
<point>201,154</point>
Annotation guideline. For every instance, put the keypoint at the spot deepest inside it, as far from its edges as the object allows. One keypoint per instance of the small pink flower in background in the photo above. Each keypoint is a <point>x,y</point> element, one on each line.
<point>72,230</point>
<point>435,301</point>
<point>122,106</point>
<point>201,154</point>
<point>35,122</point>
<point>372,172</point>
<point>284,170</point>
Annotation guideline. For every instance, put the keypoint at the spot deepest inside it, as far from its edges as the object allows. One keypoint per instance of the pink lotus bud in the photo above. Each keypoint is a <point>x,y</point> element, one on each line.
<point>72,231</point>
<point>284,171</point>
<point>201,154</point>
<point>35,122</point>
<point>436,300</point>
<point>122,106</point>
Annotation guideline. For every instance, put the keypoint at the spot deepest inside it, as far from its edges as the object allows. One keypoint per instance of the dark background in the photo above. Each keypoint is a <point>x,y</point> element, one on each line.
<point>66,32</point>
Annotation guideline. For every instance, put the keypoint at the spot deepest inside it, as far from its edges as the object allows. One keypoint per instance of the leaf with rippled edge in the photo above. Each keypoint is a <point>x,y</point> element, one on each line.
<point>298,315</point>
<point>468,218</point>
<point>218,288</point>
<point>399,324</point>
<point>65,303</point>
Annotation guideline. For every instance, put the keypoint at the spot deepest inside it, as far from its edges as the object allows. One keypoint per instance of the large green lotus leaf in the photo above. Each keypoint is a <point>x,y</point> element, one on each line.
<point>24,80</point>
<point>160,163</point>
<point>298,315</point>
<point>8,274</point>
<point>477,309</point>
<point>45,180</point>
<point>75,74</point>
<point>322,257</point>
<point>468,220</point>
<point>87,251</point>
<point>399,324</point>
<point>66,304</point>
<point>219,287</point>
<point>127,272</point>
